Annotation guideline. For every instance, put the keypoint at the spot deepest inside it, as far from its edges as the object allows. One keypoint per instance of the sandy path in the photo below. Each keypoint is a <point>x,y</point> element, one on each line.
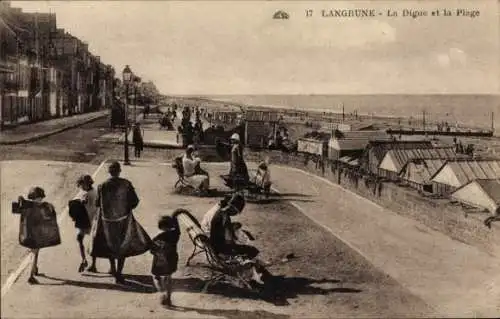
<point>58,181</point>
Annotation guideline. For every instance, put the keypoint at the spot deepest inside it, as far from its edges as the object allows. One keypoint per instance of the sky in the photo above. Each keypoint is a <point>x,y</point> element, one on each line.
<point>235,47</point>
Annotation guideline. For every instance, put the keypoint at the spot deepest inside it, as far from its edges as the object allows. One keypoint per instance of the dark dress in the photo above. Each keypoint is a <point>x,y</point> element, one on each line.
<point>164,250</point>
<point>78,214</point>
<point>116,233</point>
<point>221,228</point>
<point>137,139</point>
<point>38,225</point>
<point>239,171</point>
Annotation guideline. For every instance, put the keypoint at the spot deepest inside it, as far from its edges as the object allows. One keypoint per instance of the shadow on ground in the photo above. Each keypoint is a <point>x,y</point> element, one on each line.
<point>272,200</point>
<point>233,313</point>
<point>131,285</point>
<point>279,290</point>
<point>189,192</point>
<point>290,195</point>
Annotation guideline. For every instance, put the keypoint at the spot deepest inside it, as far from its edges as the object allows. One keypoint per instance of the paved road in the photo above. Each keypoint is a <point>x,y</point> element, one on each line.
<point>40,129</point>
<point>417,257</point>
<point>326,279</point>
<point>77,144</point>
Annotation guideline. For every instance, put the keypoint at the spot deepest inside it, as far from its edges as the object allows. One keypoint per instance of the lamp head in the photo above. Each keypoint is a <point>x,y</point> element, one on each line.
<point>127,74</point>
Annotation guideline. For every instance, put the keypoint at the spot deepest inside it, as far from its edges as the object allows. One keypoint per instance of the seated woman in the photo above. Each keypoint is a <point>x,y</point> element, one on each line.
<point>222,233</point>
<point>263,176</point>
<point>193,173</point>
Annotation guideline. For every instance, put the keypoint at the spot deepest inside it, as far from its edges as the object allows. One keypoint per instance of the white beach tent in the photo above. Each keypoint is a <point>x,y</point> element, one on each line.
<point>459,172</point>
<point>347,143</point>
<point>417,173</point>
<point>481,193</point>
<point>395,159</point>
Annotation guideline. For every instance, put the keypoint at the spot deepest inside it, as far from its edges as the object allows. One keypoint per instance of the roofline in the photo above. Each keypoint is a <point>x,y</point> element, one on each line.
<point>462,160</point>
<point>439,170</point>
<point>399,141</point>
<point>473,181</point>
<point>413,160</point>
<point>487,179</point>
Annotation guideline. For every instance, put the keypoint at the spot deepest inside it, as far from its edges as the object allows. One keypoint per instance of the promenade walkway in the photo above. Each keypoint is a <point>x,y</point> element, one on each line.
<point>33,131</point>
<point>153,136</point>
<point>456,279</point>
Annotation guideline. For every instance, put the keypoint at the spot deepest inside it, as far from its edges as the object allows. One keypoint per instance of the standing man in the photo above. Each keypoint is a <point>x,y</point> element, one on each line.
<point>146,111</point>
<point>137,139</point>
<point>239,171</point>
<point>117,234</point>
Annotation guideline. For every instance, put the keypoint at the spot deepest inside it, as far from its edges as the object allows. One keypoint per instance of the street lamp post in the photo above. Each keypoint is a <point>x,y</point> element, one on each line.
<point>127,75</point>
<point>136,81</point>
<point>135,101</point>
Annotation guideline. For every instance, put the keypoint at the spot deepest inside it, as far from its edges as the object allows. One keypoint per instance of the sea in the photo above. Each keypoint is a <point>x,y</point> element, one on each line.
<point>467,110</point>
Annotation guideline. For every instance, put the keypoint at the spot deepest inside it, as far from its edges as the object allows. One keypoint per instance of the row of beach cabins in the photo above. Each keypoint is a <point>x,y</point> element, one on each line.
<point>434,169</point>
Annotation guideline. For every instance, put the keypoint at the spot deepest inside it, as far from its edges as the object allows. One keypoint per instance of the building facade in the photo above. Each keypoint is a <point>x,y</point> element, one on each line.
<point>46,72</point>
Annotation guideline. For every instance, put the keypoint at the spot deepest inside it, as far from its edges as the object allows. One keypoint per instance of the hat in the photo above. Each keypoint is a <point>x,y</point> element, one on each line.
<point>190,147</point>
<point>167,221</point>
<point>235,137</point>
<point>36,192</point>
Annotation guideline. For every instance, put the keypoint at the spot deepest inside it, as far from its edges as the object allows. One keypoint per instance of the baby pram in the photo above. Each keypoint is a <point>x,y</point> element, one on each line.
<point>254,185</point>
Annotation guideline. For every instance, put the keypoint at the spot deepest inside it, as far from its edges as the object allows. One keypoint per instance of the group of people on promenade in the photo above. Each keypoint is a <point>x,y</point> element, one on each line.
<point>191,133</point>
<point>238,177</point>
<point>106,215</point>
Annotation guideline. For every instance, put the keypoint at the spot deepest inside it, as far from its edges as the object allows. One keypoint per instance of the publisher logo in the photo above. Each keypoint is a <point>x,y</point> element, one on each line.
<point>281,15</point>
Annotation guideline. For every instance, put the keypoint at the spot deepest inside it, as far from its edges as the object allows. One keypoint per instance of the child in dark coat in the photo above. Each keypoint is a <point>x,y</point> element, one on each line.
<point>164,250</point>
<point>38,227</point>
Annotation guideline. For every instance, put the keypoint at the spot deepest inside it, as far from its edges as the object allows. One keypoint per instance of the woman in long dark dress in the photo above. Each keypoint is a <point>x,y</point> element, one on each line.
<point>116,234</point>
<point>239,171</point>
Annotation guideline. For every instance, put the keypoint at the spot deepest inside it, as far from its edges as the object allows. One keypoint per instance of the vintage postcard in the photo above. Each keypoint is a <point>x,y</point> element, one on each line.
<point>250,159</point>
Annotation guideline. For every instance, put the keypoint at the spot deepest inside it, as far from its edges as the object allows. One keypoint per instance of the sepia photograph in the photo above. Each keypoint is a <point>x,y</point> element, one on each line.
<point>250,159</point>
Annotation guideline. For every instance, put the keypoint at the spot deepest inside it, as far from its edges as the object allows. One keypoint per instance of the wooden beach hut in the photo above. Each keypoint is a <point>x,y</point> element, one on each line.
<point>480,193</point>
<point>259,125</point>
<point>417,173</point>
<point>375,151</point>
<point>351,143</point>
<point>456,173</point>
<point>395,159</point>
<point>313,146</point>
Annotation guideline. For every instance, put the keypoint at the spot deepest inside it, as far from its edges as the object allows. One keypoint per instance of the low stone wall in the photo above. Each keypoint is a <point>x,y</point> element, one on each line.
<point>438,214</point>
